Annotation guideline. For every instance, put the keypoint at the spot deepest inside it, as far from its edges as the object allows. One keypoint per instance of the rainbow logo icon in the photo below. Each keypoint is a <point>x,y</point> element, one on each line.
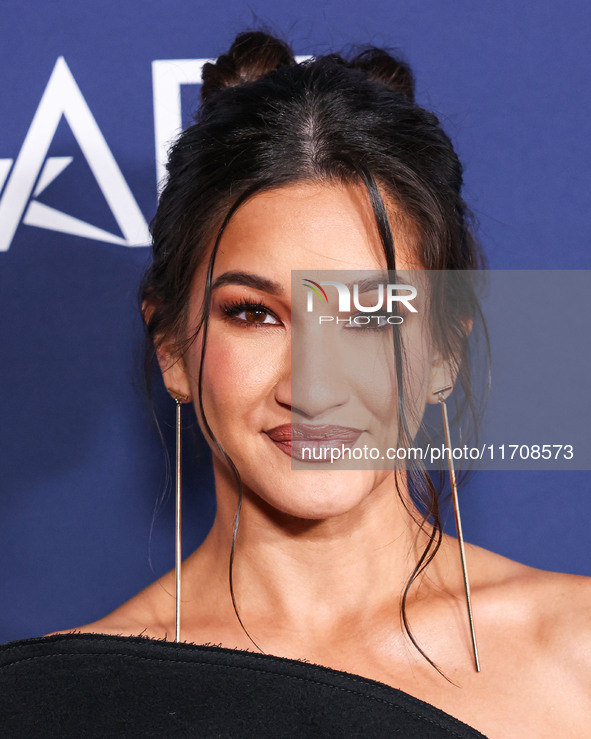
<point>315,287</point>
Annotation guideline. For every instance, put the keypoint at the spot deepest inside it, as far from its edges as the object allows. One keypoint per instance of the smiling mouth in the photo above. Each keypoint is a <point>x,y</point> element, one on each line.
<point>293,438</point>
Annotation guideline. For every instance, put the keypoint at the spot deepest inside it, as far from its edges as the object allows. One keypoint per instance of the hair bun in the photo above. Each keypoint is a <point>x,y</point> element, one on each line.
<point>253,54</point>
<point>380,66</point>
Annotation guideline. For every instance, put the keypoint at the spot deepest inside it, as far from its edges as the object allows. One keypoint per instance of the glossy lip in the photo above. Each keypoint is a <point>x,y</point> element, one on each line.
<point>293,438</point>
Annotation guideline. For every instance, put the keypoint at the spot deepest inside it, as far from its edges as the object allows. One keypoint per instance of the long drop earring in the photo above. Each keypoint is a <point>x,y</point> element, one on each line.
<point>180,398</point>
<point>454,491</point>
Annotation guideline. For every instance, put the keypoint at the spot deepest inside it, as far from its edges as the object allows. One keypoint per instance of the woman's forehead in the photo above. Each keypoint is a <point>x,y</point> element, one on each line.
<point>306,226</point>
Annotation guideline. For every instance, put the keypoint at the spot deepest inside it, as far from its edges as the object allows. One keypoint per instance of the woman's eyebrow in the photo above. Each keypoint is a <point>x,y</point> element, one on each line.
<point>249,280</point>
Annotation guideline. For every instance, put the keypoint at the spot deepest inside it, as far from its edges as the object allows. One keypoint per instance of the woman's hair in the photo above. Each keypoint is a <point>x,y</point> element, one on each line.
<point>266,121</point>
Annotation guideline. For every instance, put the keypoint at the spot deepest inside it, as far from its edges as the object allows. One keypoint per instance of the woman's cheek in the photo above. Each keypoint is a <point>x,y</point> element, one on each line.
<point>236,373</point>
<point>372,376</point>
<point>377,387</point>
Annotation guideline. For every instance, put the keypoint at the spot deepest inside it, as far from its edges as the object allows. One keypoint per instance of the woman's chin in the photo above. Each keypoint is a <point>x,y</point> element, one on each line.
<point>327,496</point>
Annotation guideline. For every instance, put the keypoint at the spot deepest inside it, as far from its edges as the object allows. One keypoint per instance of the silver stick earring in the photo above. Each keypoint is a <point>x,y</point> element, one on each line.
<point>454,491</point>
<point>180,398</point>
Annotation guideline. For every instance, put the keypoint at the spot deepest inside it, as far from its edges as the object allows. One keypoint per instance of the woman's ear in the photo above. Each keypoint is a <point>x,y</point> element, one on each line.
<point>444,372</point>
<point>174,372</point>
<point>442,377</point>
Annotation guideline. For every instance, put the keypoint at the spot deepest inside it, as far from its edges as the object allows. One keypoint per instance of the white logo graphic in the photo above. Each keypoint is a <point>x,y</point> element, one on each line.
<point>33,171</point>
<point>388,296</point>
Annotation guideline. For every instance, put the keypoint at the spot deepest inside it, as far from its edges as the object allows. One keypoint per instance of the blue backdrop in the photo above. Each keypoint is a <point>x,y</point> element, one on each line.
<point>90,94</point>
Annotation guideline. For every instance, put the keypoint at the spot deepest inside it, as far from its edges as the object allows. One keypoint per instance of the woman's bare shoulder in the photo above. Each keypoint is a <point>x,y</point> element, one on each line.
<point>563,602</point>
<point>562,629</point>
<point>544,617</point>
<point>497,571</point>
<point>135,617</point>
<point>554,595</point>
<point>115,627</point>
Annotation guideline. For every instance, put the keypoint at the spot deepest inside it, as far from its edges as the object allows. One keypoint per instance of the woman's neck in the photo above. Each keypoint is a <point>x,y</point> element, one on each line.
<point>307,577</point>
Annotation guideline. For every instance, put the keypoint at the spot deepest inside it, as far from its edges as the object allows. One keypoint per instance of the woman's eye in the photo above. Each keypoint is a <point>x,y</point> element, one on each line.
<point>251,314</point>
<point>256,315</point>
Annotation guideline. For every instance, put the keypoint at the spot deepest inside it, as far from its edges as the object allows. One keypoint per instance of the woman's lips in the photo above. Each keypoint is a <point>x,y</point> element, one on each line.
<point>293,438</point>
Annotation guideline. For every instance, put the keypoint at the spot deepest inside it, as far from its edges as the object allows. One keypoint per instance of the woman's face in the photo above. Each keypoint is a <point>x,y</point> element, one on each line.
<point>250,397</point>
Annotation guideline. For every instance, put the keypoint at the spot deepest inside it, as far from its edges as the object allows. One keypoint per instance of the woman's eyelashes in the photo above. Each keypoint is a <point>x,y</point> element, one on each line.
<point>249,314</point>
<point>252,313</point>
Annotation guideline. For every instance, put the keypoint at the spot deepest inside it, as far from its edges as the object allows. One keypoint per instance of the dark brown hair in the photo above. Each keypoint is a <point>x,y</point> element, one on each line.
<point>267,121</point>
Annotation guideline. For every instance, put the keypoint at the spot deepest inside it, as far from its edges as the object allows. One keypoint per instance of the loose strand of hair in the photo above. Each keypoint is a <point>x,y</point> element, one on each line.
<point>385,232</point>
<point>204,324</point>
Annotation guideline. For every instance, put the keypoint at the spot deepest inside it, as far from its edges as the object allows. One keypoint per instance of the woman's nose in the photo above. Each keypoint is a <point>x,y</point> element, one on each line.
<point>315,375</point>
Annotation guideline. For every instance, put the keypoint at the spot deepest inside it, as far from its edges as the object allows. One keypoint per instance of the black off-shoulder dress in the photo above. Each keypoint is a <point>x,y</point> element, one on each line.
<point>97,685</point>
